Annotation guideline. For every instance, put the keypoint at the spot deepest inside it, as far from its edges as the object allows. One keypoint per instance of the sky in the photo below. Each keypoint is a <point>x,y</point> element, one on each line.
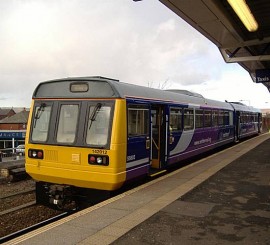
<point>141,43</point>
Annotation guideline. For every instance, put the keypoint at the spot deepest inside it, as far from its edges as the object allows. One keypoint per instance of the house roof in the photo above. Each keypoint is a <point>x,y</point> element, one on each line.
<point>21,117</point>
<point>5,111</point>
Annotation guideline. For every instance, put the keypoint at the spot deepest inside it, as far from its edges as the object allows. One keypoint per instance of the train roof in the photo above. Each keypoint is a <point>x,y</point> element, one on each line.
<point>242,107</point>
<point>101,87</point>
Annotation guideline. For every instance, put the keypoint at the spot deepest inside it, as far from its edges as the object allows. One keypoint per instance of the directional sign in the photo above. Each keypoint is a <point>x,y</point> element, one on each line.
<point>263,76</point>
<point>10,135</point>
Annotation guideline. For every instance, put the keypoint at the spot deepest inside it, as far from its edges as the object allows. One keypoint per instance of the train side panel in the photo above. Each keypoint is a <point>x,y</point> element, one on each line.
<point>207,130</point>
<point>249,124</point>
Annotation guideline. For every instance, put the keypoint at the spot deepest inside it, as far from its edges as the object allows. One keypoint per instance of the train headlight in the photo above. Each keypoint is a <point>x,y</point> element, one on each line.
<point>35,153</point>
<point>98,160</point>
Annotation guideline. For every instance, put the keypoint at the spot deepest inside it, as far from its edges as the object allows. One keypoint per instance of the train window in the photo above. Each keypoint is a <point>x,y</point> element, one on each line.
<point>221,118</point>
<point>243,117</point>
<point>199,118</point>
<point>138,121</point>
<point>256,119</point>
<point>231,118</point>
<point>188,119</point>
<point>98,125</point>
<point>67,124</point>
<point>42,114</point>
<point>215,118</point>
<point>175,119</point>
<point>226,118</point>
<point>251,116</point>
<point>207,118</point>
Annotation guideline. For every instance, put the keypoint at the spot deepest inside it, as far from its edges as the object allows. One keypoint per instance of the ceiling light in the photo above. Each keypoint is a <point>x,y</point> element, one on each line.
<point>242,10</point>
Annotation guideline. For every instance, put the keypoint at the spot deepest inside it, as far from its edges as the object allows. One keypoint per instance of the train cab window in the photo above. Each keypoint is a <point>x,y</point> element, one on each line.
<point>175,119</point>
<point>199,118</point>
<point>188,119</point>
<point>98,124</point>
<point>207,118</point>
<point>138,121</point>
<point>42,114</point>
<point>67,125</point>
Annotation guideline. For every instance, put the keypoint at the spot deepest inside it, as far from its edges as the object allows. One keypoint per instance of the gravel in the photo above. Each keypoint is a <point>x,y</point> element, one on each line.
<point>14,187</point>
<point>23,218</point>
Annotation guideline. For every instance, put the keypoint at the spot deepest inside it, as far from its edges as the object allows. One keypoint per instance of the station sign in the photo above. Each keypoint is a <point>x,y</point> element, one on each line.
<point>10,135</point>
<point>263,76</point>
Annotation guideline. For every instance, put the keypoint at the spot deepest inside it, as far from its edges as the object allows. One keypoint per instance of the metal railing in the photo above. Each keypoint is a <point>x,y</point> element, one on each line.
<point>11,153</point>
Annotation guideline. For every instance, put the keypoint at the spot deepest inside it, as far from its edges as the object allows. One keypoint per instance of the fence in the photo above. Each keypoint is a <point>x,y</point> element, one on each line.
<point>266,123</point>
<point>10,153</point>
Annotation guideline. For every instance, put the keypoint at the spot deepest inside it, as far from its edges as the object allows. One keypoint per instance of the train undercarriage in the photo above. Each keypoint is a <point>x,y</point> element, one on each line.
<point>68,197</point>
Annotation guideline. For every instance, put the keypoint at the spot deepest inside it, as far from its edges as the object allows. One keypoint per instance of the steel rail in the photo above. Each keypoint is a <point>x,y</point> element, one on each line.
<point>33,227</point>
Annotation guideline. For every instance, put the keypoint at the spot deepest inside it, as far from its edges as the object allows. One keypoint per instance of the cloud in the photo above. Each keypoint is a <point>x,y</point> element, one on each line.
<point>137,43</point>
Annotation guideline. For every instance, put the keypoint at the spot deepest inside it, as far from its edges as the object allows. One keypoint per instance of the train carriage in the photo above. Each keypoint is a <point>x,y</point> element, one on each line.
<point>247,120</point>
<point>99,133</point>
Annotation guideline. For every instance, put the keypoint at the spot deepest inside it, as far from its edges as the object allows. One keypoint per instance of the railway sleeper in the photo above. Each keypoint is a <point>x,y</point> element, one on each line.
<point>16,174</point>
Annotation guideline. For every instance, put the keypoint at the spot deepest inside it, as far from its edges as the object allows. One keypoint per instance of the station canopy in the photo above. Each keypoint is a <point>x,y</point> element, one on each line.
<point>217,20</point>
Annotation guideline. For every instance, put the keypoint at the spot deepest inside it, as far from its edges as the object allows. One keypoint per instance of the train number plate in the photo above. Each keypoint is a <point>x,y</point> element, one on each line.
<point>99,151</point>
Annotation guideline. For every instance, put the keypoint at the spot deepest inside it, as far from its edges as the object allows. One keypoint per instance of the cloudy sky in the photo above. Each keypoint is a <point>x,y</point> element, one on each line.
<point>141,43</point>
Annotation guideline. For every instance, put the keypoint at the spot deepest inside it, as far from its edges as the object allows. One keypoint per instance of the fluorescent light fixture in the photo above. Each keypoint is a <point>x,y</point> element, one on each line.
<point>241,8</point>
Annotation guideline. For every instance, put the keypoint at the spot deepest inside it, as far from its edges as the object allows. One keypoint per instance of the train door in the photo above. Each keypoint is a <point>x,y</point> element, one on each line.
<point>237,125</point>
<point>259,118</point>
<point>159,131</point>
<point>138,143</point>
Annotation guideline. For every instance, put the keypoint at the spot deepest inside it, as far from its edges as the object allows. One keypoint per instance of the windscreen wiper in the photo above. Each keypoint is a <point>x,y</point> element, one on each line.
<point>94,114</point>
<point>39,112</point>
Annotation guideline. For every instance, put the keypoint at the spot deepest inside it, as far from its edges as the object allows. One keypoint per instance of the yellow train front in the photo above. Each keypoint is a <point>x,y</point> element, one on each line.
<point>76,130</point>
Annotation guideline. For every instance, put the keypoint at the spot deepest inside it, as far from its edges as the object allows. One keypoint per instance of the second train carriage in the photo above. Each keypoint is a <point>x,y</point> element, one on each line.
<point>99,133</point>
<point>248,120</point>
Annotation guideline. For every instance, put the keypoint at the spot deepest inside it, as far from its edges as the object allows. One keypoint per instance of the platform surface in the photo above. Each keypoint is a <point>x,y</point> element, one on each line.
<point>222,199</point>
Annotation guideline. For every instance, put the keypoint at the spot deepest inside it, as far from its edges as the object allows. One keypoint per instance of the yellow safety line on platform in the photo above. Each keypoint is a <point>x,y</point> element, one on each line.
<point>158,173</point>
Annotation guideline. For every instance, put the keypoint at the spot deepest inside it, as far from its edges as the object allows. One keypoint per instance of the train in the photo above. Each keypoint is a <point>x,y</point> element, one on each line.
<point>88,134</point>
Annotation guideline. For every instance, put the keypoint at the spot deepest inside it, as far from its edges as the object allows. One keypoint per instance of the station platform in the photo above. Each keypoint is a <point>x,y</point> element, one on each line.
<point>221,199</point>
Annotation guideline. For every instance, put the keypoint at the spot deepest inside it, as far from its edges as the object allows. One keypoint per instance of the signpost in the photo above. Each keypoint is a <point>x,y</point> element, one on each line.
<point>12,134</point>
<point>263,76</point>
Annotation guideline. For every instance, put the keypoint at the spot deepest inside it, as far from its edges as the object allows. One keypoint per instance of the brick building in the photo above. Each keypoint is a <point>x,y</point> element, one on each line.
<point>13,129</point>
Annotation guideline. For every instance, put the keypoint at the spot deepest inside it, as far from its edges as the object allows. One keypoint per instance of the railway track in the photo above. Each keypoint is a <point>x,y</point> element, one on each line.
<point>26,205</point>
<point>24,218</point>
<point>14,201</point>
<point>32,227</point>
<point>32,190</point>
